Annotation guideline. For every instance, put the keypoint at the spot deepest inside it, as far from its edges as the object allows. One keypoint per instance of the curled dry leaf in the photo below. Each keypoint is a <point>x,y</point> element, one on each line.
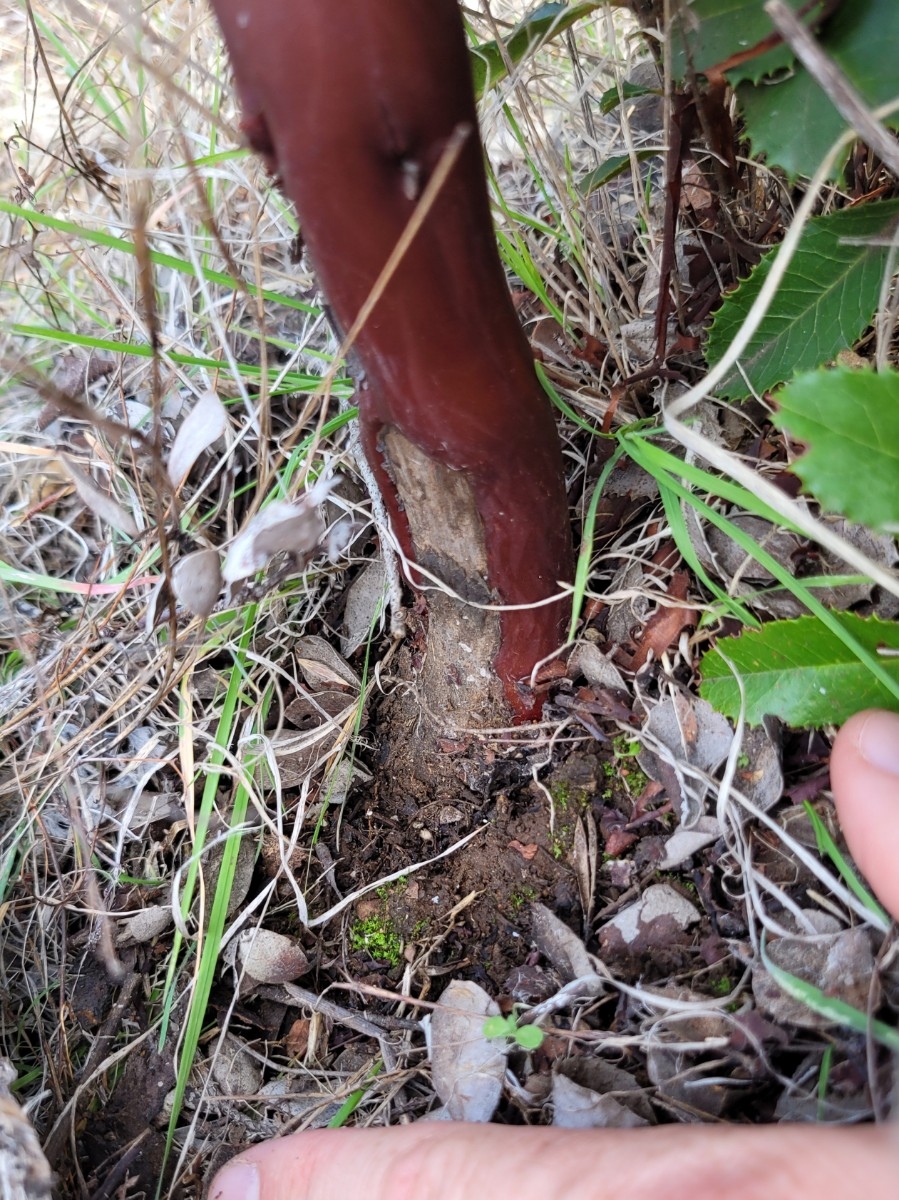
<point>294,527</point>
<point>203,425</point>
<point>270,957</point>
<point>559,944</point>
<point>467,1069</point>
<point>197,581</point>
<point>100,503</point>
<point>320,663</point>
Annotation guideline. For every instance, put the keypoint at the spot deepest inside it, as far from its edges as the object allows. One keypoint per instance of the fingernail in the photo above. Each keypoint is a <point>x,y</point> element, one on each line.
<point>878,741</point>
<point>238,1181</point>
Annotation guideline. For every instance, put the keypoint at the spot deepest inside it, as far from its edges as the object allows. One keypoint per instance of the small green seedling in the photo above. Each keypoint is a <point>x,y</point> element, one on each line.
<point>528,1037</point>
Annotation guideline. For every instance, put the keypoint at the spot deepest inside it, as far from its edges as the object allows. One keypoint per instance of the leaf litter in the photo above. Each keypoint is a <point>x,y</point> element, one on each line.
<point>626,926</point>
<point>204,424</point>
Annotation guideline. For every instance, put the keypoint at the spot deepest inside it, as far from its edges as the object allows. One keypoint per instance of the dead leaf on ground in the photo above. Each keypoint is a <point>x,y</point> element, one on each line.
<point>840,964</point>
<point>604,1078</point>
<point>308,711</point>
<point>583,856</point>
<point>101,503</point>
<point>728,561</point>
<point>145,925</point>
<point>336,786</point>
<point>270,957</point>
<point>467,1068</point>
<point>364,600</point>
<point>665,625</point>
<point>24,1171</point>
<point>555,941</point>
<point>321,664</point>
<point>597,668</point>
<point>197,581</point>
<point>203,425</point>
<point>652,922</point>
<point>234,1068</point>
<point>672,1065</point>
<point>283,526</point>
<point>759,776</point>
<point>696,736</point>
<point>684,843</point>
<point>529,985</point>
<point>577,1107</point>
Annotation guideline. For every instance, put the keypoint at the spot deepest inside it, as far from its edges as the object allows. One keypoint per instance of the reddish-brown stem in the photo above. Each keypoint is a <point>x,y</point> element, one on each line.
<point>353,103</point>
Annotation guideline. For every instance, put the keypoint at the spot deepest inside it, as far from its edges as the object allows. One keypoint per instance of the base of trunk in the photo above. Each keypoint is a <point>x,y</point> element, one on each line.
<point>458,684</point>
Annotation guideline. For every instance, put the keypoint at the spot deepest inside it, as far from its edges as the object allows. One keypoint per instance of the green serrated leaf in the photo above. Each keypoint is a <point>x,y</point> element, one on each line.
<point>710,32</point>
<point>800,671</point>
<point>793,123</point>
<point>827,297</point>
<point>490,61</point>
<point>849,422</point>
<point>610,169</point>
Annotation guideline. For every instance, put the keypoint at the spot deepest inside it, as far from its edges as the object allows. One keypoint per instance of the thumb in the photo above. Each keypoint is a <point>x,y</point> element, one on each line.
<point>864,774</point>
<point>437,1161</point>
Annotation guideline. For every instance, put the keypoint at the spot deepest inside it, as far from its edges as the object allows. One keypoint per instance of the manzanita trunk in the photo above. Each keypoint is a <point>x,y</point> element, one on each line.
<point>354,103</point>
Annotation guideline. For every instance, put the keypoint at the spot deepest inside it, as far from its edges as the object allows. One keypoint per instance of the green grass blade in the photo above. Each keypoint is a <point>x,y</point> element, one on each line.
<point>827,846</point>
<point>585,554</point>
<point>774,568</point>
<point>290,381</point>
<point>354,1099</point>
<point>98,238</point>
<point>830,1006</point>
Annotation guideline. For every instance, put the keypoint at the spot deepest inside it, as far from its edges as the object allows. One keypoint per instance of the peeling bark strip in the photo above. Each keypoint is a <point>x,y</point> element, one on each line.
<point>353,102</point>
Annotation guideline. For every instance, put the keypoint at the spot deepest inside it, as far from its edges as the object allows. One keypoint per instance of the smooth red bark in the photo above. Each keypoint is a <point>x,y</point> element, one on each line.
<point>353,102</point>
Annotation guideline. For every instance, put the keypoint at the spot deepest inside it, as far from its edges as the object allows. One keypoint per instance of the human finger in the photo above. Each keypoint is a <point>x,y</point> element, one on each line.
<point>864,774</point>
<point>437,1161</point>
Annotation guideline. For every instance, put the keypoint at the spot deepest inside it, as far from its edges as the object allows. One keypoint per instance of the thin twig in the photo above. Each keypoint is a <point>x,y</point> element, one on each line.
<point>372,1025</point>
